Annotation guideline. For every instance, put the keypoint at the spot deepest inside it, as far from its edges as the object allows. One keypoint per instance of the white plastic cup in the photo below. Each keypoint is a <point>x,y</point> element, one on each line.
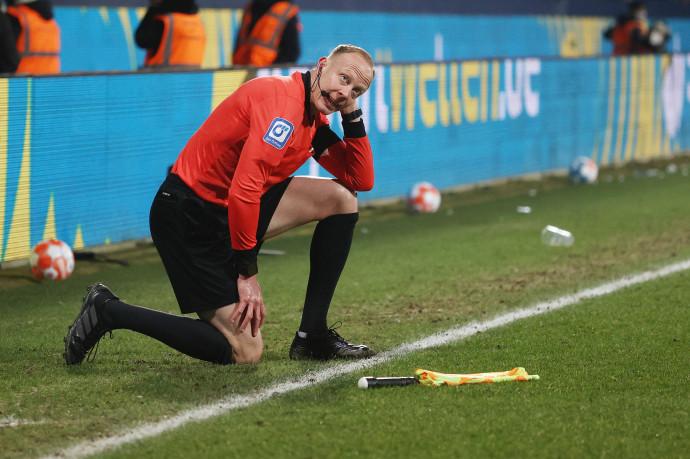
<point>555,237</point>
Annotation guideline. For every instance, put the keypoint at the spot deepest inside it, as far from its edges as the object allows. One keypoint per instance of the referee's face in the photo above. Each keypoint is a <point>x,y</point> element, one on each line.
<point>344,77</point>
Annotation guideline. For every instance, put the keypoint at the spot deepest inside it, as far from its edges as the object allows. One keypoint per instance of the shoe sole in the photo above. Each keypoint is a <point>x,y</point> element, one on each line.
<point>91,291</point>
<point>365,355</point>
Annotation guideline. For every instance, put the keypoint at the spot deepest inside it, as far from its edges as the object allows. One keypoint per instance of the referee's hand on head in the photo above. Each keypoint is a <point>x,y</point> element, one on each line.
<point>250,309</point>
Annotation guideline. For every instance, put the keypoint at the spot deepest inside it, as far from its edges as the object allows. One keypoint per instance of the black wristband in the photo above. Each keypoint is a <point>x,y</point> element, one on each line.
<point>245,262</point>
<point>249,270</point>
<point>354,129</point>
<point>352,115</point>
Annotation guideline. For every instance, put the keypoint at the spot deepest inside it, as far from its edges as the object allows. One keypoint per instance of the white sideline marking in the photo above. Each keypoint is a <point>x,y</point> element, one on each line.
<point>11,421</point>
<point>224,405</point>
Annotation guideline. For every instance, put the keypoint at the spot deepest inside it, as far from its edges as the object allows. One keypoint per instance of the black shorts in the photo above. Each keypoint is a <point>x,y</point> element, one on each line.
<point>192,237</point>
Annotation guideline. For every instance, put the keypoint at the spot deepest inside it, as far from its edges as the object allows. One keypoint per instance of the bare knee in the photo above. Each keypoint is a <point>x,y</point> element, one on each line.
<point>343,200</point>
<point>245,347</point>
<point>248,350</point>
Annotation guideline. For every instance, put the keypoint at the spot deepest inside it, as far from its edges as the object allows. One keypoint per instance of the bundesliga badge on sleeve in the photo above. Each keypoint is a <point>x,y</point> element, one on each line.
<point>278,133</point>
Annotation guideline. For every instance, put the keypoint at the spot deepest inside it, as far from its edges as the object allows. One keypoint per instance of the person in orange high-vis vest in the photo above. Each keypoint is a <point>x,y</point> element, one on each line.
<point>172,34</point>
<point>269,34</point>
<point>38,36</point>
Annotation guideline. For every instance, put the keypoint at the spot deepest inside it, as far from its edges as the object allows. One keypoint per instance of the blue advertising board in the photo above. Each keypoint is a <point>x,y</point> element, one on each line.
<point>82,156</point>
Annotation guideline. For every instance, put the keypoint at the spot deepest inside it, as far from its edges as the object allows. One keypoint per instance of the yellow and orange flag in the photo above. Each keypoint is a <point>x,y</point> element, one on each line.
<point>434,378</point>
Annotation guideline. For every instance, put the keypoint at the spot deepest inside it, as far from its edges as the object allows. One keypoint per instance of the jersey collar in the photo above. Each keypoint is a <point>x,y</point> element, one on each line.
<point>306,79</point>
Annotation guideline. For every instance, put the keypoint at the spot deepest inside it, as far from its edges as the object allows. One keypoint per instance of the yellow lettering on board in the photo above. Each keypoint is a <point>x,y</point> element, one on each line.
<point>484,91</point>
<point>225,82</point>
<point>455,102</point>
<point>19,237</point>
<point>410,94</point>
<point>123,14</point>
<point>645,111</point>
<point>606,152</point>
<point>622,104</point>
<point>50,229</point>
<point>443,104</point>
<point>470,69</point>
<point>651,101</point>
<point>78,239</point>
<point>657,130</point>
<point>495,88</point>
<point>632,108</point>
<point>4,133</point>
<point>396,72</point>
<point>427,72</point>
<point>212,50</point>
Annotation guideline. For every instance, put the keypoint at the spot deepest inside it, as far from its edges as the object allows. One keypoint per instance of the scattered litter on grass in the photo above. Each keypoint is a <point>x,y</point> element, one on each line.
<point>556,237</point>
<point>649,173</point>
<point>610,178</point>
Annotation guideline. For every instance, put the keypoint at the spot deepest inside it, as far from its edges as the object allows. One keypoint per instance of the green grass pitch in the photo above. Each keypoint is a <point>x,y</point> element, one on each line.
<point>614,369</point>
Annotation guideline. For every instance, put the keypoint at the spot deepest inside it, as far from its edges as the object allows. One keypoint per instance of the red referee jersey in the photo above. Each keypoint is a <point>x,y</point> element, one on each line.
<point>260,135</point>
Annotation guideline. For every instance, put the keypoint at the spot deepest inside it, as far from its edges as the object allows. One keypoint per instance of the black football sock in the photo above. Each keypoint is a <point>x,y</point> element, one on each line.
<point>193,337</point>
<point>330,246</point>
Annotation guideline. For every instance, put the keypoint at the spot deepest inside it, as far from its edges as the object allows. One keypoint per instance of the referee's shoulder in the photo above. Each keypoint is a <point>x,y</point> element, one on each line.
<point>276,90</point>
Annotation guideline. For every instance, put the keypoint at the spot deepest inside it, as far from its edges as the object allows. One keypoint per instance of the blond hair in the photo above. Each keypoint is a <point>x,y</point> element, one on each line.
<point>342,49</point>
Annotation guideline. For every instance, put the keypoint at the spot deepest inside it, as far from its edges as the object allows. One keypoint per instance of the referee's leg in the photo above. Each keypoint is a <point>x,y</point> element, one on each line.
<point>308,199</point>
<point>245,347</point>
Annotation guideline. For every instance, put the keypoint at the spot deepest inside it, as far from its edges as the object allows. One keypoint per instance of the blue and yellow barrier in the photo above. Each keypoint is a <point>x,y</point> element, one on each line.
<point>82,156</point>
